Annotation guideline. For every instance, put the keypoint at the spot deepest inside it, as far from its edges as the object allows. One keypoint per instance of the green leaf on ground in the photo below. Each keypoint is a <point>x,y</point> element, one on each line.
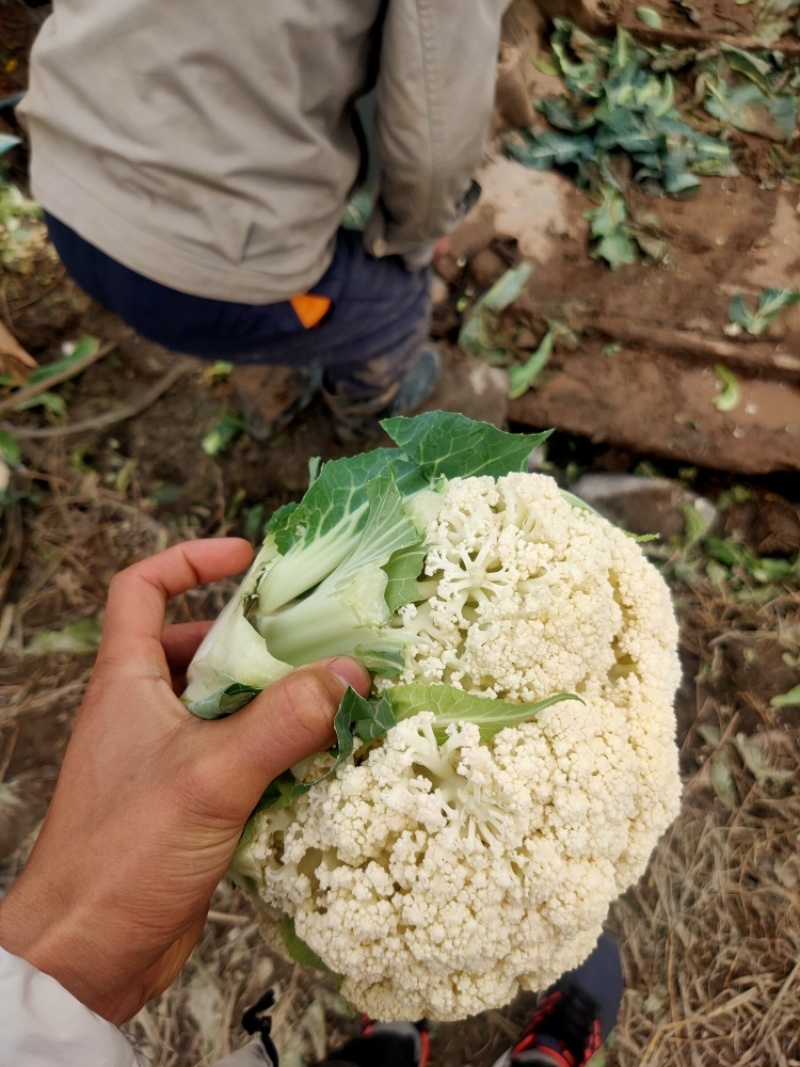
<point>609,225</point>
<point>561,114</point>
<point>751,65</point>
<point>789,699</point>
<point>83,349</point>
<point>508,288</point>
<point>753,757</point>
<point>480,335</point>
<point>617,249</point>
<point>749,91</point>
<point>749,109</point>
<point>617,101</point>
<point>770,303</point>
<point>730,395</point>
<point>522,376</point>
<point>649,17</point>
<point>722,778</point>
<point>53,403</point>
<point>545,66</point>
<point>548,149</point>
<point>10,451</point>
<point>773,301</point>
<point>220,437</point>
<point>217,372</point>
<point>775,19</point>
<point>76,638</point>
<point>787,166</point>
<point>691,12</point>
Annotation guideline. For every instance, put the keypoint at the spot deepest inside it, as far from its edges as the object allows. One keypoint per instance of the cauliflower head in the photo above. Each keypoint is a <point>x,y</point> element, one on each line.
<point>437,875</point>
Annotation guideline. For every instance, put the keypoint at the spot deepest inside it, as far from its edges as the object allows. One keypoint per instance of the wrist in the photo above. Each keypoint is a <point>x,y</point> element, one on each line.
<point>37,927</point>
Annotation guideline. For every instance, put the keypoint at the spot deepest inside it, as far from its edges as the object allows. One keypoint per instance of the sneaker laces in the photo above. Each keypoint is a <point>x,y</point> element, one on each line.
<point>257,1020</point>
<point>563,1029</point>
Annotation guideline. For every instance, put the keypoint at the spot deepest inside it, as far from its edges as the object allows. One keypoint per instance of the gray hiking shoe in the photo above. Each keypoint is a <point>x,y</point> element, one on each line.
<point>271,396</point>
<point>358,418</point>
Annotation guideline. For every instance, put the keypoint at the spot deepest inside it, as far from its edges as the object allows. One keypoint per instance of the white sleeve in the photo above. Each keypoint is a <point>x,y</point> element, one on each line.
<point>42,1025</point>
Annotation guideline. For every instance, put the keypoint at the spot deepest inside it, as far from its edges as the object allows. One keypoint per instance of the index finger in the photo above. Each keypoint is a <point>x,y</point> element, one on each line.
<point>138,595</point>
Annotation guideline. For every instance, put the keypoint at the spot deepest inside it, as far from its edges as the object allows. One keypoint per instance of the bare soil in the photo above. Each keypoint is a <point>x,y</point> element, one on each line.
<point>642,371</point>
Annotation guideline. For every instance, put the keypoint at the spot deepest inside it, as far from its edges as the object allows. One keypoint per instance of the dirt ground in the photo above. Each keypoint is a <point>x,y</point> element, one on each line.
<point>638,364</point>
<point>642,375</point>
<point>711,935</point>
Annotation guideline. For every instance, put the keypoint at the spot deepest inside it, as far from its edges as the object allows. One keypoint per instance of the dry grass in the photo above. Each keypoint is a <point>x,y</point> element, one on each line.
<point>711,936</point>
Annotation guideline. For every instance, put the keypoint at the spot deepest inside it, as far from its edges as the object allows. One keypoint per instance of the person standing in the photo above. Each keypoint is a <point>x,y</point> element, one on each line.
<point>194,160</point>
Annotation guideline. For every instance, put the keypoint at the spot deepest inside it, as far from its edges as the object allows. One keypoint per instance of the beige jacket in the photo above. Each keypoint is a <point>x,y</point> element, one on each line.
<point>209,144</point>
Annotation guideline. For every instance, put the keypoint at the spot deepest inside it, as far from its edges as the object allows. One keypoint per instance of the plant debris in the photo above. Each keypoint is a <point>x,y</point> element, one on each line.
<point>616,105</point>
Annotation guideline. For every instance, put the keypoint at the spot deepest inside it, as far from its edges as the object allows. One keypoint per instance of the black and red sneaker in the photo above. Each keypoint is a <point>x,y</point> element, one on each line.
<point>563,1030</point>
<point>387,1044</point>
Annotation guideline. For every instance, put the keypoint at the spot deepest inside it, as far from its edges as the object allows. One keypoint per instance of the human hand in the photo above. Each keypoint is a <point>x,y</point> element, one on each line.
<point>151,801</point>
<point>441,248</point>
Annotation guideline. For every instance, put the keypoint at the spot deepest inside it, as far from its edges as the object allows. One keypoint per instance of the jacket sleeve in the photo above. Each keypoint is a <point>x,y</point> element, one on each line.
<point>42,1025</point>
<point>435,92</point>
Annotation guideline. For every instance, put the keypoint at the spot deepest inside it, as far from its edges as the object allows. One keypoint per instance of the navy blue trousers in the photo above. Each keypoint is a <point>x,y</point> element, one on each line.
<point>600,975</point>
<point>378,321</point>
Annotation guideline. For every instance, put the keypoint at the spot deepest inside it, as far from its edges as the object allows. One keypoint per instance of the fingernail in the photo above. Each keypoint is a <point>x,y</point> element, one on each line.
<point>351,673</point>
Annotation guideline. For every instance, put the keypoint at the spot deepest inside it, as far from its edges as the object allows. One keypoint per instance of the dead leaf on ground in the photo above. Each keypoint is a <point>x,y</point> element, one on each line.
<point>13,357</point>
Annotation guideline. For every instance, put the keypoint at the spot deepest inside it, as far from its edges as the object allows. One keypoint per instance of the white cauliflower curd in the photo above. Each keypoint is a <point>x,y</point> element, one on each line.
<point>449,863</point>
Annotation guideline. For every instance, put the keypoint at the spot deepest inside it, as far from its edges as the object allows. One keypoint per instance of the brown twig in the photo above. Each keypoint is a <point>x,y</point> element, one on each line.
<point>109,418</point>
<point>749,356</point>
<point>5,762</point>
<point>588,21</point>
<point>30,391</point>
<point>688,38</point>
<point>5,313</point>
<point>10,547</point>
<point>13,356</point>
<point>228,920</point>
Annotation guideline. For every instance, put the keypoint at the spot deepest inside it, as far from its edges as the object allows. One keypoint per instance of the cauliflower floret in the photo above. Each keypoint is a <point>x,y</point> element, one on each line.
<point>440,877</point>
<point>530,596</point>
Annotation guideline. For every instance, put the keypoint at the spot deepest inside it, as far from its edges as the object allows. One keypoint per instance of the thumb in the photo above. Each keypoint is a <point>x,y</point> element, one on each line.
<point>287,722</point>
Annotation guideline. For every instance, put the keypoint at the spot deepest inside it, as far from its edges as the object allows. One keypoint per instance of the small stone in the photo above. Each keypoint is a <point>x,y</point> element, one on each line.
<point>643,505</point>
<point>486,267</point>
